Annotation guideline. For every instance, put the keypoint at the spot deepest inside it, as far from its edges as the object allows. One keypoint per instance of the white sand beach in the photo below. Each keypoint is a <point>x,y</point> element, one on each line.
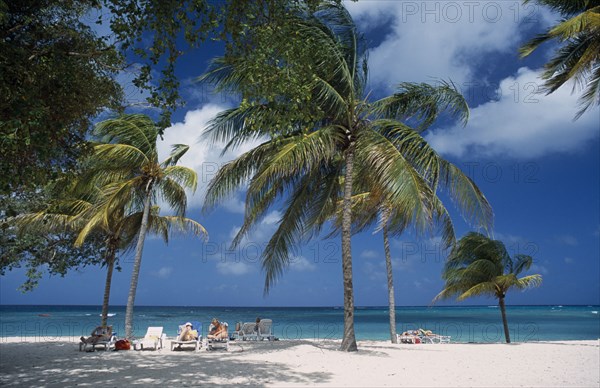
<point>30,362</point>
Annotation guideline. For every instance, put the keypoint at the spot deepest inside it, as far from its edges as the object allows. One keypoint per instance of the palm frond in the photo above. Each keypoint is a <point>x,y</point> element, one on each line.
<point>424,103</point>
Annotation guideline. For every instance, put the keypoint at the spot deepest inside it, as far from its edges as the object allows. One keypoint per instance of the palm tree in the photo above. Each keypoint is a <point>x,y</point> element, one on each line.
<point>316,143</point>
<point>579,57</point>
<point>125,164</point>
<point>118,231</point>
<point>478,266</point>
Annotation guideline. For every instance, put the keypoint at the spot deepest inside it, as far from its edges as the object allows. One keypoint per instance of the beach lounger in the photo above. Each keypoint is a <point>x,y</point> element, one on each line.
<point>408,339</point>
<point>247,332</point>
<point>153,339</point>
<point>212,343</point>
<point>435,339</point>
<point>197,342</point>
<point>265,330</point>
<point>107,341</point>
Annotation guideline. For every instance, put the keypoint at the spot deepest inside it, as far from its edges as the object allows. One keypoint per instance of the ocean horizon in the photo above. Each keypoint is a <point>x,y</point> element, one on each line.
<point>479,324</point>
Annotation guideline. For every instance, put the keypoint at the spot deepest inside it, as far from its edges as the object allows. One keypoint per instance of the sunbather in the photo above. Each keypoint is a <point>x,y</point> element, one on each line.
<point>217,330</point>
<point>188,333</point>
<point>100,333</point>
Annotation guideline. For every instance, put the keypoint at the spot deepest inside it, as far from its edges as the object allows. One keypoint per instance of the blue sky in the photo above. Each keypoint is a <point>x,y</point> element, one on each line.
<point>539,169</point>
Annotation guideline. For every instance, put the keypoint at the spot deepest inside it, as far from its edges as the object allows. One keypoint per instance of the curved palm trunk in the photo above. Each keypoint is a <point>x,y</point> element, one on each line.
<point>349,339</point>
<point>136,267</point>
<point>504,320</point>
<point>110,265</point>
<point>390,277</point>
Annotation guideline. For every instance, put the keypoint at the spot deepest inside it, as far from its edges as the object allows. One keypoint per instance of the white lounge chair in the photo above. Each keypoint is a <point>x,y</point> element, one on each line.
<point>153,339</point>
<point>247,332</point>
<point>197,342</point>
<point>213,343</point>
<point>265,330</point>
<point>435,339</point>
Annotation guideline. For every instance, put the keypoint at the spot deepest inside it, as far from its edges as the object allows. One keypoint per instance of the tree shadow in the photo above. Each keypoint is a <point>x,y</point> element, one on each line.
<point>25,364</point>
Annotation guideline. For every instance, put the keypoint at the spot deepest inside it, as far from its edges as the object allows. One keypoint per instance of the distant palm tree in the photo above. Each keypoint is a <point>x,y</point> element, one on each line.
<point>478,266</point>
<point>579,57</point>
<point>125,164</point>
<point>316,145</point>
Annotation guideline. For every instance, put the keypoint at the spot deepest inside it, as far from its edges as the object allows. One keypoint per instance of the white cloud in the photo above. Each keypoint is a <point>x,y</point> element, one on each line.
<point>164,272</point>
<point>537,268</point>
<point>441,39</point>
<point>569,260</point>
<point>567,239</point>
<point>369,254</point>
<point>301,264</point>
<point>205,158</point>
<point>520,123</point>
<point>233,268</point>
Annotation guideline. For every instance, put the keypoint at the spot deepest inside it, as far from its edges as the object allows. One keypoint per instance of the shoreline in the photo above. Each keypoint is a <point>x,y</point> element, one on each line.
<point>305,363</point>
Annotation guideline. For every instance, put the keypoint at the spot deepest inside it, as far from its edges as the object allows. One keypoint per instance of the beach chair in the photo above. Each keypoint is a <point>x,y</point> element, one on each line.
<point>408,338</point>
<point>213,343</point>
<point>153,339</point>
<point>435,339</point>
<point>197,342</point>
<point>265,330</point>
<point>107,340</point>
<point>247,332</point>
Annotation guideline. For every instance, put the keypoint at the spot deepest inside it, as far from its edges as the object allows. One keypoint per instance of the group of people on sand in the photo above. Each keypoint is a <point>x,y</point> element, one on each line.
<point>217,330</point>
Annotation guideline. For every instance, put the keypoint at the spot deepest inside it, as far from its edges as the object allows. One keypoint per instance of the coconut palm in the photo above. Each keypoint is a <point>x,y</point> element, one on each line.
<point>481,266</point>
<point>118,231</point>
<point>125,164</point>
<point>579,57</point>
<point>315,143</point>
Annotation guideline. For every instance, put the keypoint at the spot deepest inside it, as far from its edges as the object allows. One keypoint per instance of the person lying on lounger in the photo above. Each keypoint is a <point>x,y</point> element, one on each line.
<point>217,330</point>
<point>100,333</point>
<point>188,333</point>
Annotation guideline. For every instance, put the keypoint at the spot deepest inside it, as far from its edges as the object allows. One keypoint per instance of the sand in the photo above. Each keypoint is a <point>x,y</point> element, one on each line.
<point>33,362</point>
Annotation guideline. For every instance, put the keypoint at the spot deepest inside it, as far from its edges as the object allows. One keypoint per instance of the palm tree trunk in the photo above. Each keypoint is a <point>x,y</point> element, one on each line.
<point>136,267</point>
<point>504,320</point>
<point>390,276</point>
<point>110,265</point>
<point>349,339</point>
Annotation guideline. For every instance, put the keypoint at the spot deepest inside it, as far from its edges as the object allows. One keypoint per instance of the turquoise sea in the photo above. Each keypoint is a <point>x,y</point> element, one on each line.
<point>464,324</point>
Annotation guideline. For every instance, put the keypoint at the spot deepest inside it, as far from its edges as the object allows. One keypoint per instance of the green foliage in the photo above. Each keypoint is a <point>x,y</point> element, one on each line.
<point>321,73</point>
<point>478,266</point>
<point>39,250</point>
<point>55,76</point>
<point>579,57</point>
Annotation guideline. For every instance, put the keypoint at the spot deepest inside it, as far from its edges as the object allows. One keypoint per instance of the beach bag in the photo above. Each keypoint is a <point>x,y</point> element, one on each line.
<point>122,345</point>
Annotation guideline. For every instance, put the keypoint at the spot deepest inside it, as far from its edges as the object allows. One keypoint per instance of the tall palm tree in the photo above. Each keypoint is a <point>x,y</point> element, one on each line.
<point>125,164</point>
<point>579,57</point>
<point>479,265</point>
<point>119,230</point>
<point>320,133</point>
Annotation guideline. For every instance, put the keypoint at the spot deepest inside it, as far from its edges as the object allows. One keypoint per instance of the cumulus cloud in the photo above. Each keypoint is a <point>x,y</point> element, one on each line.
<point>164,272</point>
<point>369,254</point>
<point>441,39</point>
<point>233,268</point>
<point>301,264</point>
<point>520,123</point>
<point>203,157</point>
<point>567,239</point>
<point>569,260</point>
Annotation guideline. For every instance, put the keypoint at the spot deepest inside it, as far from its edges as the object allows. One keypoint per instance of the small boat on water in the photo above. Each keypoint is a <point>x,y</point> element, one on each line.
<point>43,315</point>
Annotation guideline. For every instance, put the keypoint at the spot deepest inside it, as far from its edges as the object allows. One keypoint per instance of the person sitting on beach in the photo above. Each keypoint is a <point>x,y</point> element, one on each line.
<point>217,330</point>
<point>188,333</point>
<point>100,333</point>
<point>257,323</point>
